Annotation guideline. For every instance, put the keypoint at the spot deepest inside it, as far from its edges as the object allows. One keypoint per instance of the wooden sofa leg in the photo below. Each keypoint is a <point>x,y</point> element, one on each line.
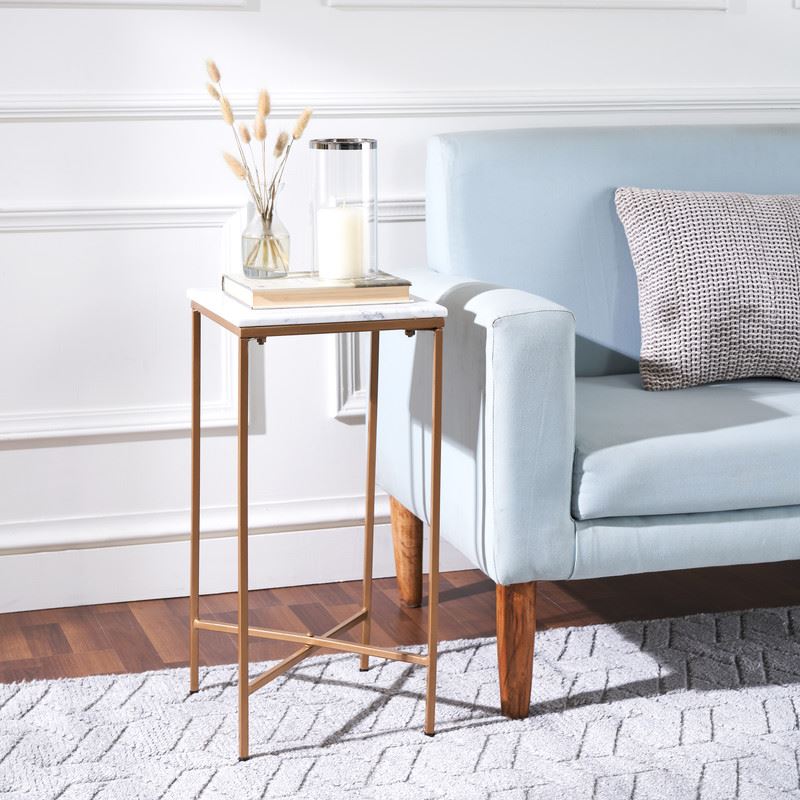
<point>516,626</point>
<point>407,540</point>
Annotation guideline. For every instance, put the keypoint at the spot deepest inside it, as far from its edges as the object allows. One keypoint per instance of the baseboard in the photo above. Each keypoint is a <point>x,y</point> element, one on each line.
<point>147,527</point>
<point>154,569</point>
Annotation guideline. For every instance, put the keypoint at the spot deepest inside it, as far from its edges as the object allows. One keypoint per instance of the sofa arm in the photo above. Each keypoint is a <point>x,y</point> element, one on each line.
<point>508,426</point>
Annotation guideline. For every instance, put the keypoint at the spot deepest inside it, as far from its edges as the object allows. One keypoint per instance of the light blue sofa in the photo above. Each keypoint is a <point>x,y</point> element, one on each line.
<point>556,464</point>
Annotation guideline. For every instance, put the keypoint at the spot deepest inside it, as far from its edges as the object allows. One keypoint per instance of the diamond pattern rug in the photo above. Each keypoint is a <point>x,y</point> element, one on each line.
<point>704,707</point>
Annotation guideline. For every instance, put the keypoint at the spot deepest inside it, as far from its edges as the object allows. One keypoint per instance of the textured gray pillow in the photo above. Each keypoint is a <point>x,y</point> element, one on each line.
<point>719,284</point>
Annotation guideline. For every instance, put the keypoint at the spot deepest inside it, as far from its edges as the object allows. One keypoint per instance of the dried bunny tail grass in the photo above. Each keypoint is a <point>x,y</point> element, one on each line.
<point>227,111</point>
<point>212,91</point>
<point>244,133</point>
<point>213,71</point>
<point>237,168</point>
<point>280,144</point>
<point>264,103</point>
<point>302,122</point>
<point>259,128</point>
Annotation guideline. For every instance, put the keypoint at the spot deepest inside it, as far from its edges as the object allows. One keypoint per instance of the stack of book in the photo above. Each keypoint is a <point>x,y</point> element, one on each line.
<point>304,289</point>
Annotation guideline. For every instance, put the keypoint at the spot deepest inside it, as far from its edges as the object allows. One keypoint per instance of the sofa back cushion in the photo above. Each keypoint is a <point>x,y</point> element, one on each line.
<point>534,210</point>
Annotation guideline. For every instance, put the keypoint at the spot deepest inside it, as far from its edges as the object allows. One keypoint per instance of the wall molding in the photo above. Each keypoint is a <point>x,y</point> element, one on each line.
<point>407,209</point>
<point>441,103</point>
<point>151,217</point>
<point>230,219</point>
<point>351,393</point>
<point>131,420</point>
<point>69,423</point>
<point>116,558</point>
<point>148,527</point>
<point>59,424</point>
<point>350,385</point>
<point>159,569</point>
<point>595,5</point>
<point>186,5</point>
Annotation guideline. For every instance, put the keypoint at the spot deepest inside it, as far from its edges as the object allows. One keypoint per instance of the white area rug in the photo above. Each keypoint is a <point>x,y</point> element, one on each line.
<point>703,707</point>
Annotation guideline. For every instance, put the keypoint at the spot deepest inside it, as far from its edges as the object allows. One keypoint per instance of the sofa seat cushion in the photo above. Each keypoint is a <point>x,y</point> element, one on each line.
<point>719,447</point>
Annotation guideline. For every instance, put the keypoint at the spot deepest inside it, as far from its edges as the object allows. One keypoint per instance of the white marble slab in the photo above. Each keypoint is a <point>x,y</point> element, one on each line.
<point>238,314</point>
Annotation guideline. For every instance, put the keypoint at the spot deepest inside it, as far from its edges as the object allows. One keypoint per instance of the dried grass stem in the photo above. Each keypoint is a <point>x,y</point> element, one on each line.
<point>263,190</point>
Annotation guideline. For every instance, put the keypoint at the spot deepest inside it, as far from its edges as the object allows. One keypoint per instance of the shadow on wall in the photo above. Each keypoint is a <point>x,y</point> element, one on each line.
<point>464,378</point>
<point>463,398</point>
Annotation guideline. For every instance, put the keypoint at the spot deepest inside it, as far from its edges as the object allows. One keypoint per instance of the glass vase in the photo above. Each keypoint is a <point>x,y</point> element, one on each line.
<point>265,247</point>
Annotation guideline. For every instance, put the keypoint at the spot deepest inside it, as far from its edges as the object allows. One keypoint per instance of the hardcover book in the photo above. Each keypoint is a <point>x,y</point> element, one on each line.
<point>303,289</point>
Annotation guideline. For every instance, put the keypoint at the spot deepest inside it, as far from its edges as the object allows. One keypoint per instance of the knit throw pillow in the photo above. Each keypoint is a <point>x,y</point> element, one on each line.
<point>719,284</point>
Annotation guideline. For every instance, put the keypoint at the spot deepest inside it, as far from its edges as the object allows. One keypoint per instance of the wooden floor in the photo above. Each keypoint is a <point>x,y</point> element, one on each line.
<point>145,635</point>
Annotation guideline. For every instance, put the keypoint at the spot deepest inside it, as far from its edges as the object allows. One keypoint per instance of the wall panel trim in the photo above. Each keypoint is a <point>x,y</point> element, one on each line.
<point>407,209</point>
<point>150,217</point>
<point>351,389</point>
<point>61,424</point>
<point>158,569</point>
<point>72,423</point>
<point>116,558</point>
<point>112,530</point>
<point>185,5</point>
<point>441,103</point>
<point>351,392</point>
<point>594,5</point>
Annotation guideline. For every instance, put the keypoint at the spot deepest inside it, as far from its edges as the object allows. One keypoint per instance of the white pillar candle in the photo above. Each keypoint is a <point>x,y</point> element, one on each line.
<point>340,243</point>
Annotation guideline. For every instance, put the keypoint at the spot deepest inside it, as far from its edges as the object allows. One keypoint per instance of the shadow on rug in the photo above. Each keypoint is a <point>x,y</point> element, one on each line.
<point>702,707</point>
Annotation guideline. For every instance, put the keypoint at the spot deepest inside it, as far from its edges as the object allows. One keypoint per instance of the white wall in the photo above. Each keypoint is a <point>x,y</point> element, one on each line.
<point>113,200</point>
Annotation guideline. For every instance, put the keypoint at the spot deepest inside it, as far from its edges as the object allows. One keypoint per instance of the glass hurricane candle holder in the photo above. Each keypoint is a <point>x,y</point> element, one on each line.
<point>345,209</point>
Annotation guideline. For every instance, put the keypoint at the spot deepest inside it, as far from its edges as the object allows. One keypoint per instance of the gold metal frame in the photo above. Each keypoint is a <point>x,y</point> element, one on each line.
<point>311,643</point>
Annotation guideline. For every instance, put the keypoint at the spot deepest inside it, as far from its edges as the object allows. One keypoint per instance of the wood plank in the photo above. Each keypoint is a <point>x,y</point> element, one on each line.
<point>290,595</point>
<point>83,631</point>
<point>46,640</point>
<point>26,669</point>
<point>335,594</point>
<point>165,629</point>
<point>314,617</point>
<point>393,623</point>
<point>133,648</point>
<point>75,665</point>
<point>62,665</point>
<point>13,644</point>
<point>119,637</point>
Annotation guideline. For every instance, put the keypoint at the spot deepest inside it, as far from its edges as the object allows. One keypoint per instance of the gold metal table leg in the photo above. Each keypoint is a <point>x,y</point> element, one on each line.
<point>243,618</point>
<point>309,643</point>
<point>369,511</point>
<point>433,568</point>
<point>194,538</point>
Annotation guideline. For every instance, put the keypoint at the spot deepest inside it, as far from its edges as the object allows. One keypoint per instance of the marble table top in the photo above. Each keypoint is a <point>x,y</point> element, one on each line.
<point>239,315</point>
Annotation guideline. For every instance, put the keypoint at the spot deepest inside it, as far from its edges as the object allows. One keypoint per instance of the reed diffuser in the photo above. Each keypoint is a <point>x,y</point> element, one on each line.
<point>265,241</point>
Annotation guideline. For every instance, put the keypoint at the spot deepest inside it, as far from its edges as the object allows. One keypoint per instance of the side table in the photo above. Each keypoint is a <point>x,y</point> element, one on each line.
<point>247,324</point>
